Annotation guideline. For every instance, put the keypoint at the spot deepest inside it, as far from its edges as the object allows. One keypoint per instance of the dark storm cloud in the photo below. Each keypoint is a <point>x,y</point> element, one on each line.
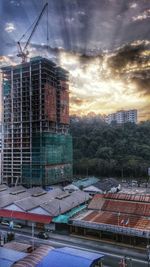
<point>143,85</point>
<point>132,62</point>
<point>127,54</point>
<point>77,25</point>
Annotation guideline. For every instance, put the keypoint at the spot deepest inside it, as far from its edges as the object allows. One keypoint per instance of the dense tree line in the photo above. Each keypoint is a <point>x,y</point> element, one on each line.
<point>110,150</point>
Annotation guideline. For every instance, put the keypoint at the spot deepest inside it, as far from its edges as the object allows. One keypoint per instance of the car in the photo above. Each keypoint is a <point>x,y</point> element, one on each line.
<point>5,222</point>
<point>43,235</point>
<point>18,225</point>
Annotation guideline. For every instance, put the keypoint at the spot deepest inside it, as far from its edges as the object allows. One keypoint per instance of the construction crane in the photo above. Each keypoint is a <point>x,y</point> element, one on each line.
<point>23,52</point>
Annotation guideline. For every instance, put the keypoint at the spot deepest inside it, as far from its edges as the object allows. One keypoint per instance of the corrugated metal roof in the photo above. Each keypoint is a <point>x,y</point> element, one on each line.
<point>39,210</point>
<point>71,187</point>
<point>93,189</point>
<point>24,200</point>
<point>27,203</point>
<point>114,204</point>
<point>49,195</point>
<point>3,187</point>
<point>16,189</point>
<point>112,218</point>
<point>5,263</point>
<point>9,256</point>
<point>106,184</point>
<point>57,207</point>
<point>36,190</point>
<point>7,199</point>
<point>25,216</point>
<point>13,207</point>
<point>96,202</point>
<point>34,258</point>
<point>129,197</point>
<point>48,202</point>
<point>69,258</point>
<point>86,182</point>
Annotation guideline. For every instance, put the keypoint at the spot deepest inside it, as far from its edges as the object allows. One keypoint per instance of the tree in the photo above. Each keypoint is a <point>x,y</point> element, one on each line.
<point>105,150</point>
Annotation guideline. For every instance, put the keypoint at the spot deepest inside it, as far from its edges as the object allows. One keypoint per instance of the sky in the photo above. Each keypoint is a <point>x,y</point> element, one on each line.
<point>104,44</point>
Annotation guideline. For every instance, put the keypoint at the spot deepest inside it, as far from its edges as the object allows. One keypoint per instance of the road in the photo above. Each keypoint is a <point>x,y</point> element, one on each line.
<point>113,254</point>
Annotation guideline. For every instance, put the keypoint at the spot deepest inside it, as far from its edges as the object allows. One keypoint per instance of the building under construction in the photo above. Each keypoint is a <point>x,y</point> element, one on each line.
<point>37,146</point>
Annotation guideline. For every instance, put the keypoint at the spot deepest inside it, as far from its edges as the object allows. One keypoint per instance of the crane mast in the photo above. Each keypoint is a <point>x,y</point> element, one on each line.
<point>23,52</point>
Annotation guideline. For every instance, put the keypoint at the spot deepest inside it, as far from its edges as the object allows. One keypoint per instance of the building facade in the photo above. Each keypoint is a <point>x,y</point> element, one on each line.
<point>37,146</point>
<point>122,116</point>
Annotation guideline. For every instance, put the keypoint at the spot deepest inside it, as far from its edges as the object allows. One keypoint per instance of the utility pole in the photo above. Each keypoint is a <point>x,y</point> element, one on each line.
<point>33,235</point>
<point>148,255</point>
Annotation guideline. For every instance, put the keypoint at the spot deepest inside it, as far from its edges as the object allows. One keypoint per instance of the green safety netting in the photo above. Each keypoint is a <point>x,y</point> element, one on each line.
<point>64,218</point>
<point>51,159</point>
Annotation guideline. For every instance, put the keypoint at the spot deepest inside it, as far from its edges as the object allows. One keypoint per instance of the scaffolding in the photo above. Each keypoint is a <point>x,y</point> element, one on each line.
<point>35,112</point>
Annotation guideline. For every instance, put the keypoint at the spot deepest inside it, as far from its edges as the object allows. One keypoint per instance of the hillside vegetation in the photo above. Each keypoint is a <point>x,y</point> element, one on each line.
<point>110,150</point>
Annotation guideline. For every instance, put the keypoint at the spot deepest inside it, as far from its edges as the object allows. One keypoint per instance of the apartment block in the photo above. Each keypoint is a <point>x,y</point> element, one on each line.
<point>122,116</point>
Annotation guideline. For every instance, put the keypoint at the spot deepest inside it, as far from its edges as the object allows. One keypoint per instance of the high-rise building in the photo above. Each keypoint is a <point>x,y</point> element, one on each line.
<point>37,146</point>
<point>131,116</point>
<point>122,116</point>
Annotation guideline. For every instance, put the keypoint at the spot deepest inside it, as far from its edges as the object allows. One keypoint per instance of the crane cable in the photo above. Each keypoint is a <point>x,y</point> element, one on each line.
<point>47,29</point>
<point>28,30</point>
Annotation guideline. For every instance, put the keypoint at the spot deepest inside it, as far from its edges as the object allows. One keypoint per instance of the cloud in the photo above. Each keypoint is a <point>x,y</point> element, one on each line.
<point>109,81</point>
<point>128,54</point>
<point>9,27</point>
<point>70,20</point>
<point>6,61</point>
<point>133,5</point>
<point>78,101</point>
<point>143,16</point>
<point>103,83</point>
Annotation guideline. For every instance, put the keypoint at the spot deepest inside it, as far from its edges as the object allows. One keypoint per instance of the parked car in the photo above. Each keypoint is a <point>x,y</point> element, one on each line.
<point>18,225</point>
<point>5,222</point>
<point>43,235</point>
<point>15,225</point>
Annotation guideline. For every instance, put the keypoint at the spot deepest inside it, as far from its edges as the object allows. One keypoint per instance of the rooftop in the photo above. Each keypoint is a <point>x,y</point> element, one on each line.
<point>9,256</point>
<point>116,213</point>
<point>85,182</point>
<point>51,203</point>
<point>70,257</point>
